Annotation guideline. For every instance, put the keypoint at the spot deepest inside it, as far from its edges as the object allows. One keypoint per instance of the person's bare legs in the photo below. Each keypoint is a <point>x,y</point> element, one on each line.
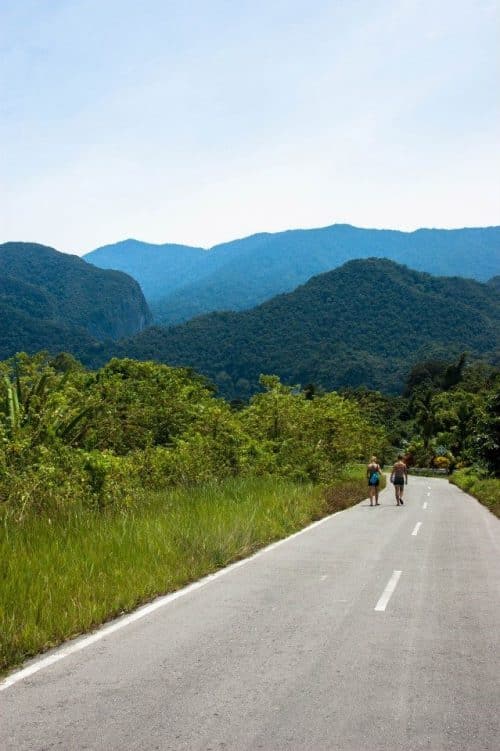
<point>398,489</point>
<point>373,493</point>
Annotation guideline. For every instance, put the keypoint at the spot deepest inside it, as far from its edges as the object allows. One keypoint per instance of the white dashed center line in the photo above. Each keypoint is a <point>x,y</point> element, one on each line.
<point>387,593</point>
<point>417,527</point>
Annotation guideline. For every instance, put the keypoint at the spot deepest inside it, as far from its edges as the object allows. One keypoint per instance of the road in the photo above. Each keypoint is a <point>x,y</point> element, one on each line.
<point>376,629</point>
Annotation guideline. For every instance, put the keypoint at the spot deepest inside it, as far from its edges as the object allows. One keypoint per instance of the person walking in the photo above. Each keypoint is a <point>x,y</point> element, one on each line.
<point>373,473</point>
<point>399,476</point>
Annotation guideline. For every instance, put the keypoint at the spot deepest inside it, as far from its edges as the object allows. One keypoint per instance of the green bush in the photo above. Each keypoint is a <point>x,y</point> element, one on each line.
<point>72,436</point>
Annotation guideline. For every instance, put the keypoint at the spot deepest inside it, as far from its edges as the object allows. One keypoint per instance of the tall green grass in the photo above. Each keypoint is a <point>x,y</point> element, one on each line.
<point>485,489</point>
<point>64,575</point>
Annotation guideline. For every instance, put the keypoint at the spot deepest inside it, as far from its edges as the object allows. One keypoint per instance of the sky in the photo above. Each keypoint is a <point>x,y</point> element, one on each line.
<point>200,121</point>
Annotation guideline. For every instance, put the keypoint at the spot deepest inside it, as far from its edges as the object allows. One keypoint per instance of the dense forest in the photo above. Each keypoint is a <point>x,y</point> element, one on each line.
<point>365,323</point>
<point>181,282</point>
<point>68,433</point>
<point>51,300</point>
<point>448,416</point>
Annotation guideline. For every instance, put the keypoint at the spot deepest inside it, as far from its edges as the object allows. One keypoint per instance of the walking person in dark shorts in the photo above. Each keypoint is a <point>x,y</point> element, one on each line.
<point>399,476</point>
<point>373,473</point>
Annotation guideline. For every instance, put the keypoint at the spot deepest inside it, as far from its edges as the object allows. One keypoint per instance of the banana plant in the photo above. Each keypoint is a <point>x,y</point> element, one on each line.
<point>29,408</point>
<point>13,412</point>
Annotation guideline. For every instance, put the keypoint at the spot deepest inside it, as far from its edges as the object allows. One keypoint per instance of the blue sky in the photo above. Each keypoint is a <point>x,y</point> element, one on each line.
<point>202,121</point>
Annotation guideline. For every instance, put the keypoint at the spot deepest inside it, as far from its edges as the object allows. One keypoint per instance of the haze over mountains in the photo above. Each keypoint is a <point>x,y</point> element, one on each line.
<point>159,269</point>
<point>181,282</point>
<point>364,323</point>
<point>55,301</point>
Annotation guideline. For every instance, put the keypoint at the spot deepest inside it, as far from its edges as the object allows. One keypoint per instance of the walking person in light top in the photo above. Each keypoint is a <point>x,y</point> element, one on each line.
<point>399,476</point>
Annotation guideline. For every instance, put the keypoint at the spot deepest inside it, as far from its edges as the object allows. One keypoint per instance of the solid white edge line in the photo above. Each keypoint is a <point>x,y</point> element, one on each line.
<point>417,527</point>
<point>387,593</point>
<point>144,610</point>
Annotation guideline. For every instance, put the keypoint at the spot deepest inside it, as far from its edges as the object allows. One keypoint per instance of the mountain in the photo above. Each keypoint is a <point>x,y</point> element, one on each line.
<point>159,269</point>
<point>51,300</point>
<point>181,282</point>
<point>364,323</point>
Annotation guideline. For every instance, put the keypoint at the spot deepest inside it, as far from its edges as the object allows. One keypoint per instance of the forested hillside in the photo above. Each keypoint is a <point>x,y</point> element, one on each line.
<point>362,324</point>
<point>181,282</point>
<point>51,300</point>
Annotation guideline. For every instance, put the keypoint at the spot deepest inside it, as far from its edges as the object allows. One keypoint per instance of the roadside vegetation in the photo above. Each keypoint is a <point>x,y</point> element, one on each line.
<point>65,573</point>
<point>447,422</point>
<point>483,487</point>
<point>130,481</point>
<point>454,424</point>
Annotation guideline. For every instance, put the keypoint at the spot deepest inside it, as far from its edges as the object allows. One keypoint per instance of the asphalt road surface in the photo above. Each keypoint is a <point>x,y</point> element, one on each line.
<point>374,629</point>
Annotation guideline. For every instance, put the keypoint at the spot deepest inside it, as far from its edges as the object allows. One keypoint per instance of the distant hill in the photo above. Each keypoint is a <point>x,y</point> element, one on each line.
<point>362,324</point>
<point>159,269</point>
<point>51,300</point>
<point>181,282</point>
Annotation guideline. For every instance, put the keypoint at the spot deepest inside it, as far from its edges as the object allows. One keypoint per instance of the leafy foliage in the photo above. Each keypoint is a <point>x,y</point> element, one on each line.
<point>456,416</point>
<point>68,435</point>
<point>307,438</point>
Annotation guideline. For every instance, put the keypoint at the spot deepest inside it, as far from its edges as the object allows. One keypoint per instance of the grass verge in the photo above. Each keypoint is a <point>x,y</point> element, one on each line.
<point>64,575</point>
<point>485,489</point>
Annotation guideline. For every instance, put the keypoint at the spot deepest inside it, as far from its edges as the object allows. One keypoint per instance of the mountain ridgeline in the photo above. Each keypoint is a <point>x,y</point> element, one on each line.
<point>159,269</point>
<point>181,282</point>
<point>56,301</point>
<point>364,323</point>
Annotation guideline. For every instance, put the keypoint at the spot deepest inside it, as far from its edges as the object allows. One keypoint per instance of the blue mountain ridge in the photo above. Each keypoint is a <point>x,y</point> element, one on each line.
<point>181,281</point>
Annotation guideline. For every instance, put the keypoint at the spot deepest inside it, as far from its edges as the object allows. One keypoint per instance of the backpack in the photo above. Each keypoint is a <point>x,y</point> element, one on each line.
<point>374,477</point>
